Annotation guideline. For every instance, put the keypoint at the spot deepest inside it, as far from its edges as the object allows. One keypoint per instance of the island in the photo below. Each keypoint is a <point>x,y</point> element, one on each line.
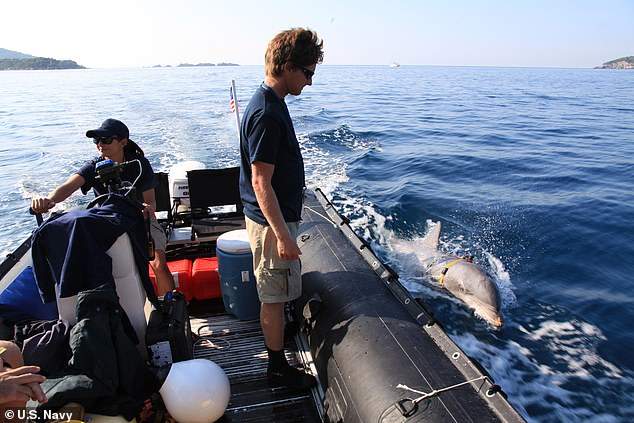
<point>621,63</point>
<point>190,65</point>
<point>14,60</point>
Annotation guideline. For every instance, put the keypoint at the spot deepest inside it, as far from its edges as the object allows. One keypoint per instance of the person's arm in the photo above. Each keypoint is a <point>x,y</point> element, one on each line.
<point>149,201</point>
<point>262,173</point>
<point>61,193</point>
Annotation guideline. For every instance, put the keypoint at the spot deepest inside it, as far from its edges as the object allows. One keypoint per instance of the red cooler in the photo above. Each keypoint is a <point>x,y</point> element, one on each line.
<point>205,279</point>
<point>182,272</point>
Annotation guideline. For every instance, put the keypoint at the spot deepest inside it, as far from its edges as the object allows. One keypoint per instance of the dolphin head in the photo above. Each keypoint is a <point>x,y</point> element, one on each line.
<point>469,283</point>
<point>486,311</point>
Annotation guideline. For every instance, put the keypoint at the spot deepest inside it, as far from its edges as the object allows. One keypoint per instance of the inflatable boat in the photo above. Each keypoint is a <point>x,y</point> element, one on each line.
<point>378,353</point>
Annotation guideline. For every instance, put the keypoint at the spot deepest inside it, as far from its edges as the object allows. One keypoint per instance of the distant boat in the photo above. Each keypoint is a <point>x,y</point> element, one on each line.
<point>395,65</point>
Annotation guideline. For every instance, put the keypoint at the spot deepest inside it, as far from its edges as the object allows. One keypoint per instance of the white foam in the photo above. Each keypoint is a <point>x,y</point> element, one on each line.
<point>577,342</point>
<point>502,279</point>
<point>554,385</point>
<point>327,170</point>
<point>324,170</point>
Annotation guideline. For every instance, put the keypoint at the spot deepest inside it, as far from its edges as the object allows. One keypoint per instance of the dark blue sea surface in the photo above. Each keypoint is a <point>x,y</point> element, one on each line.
<point>529,170</point>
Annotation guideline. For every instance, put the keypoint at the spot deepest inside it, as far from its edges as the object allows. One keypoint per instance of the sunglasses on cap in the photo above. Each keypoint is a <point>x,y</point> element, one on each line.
<point>307,72</point>
<point>104,140</point>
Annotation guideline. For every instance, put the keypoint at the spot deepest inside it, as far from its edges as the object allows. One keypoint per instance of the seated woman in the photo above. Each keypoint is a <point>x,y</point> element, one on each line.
<point>112,142</point>
<point>18,383</point>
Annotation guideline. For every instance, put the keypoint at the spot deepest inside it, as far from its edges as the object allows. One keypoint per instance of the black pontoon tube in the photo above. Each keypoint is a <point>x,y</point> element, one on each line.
<point>371,341</point>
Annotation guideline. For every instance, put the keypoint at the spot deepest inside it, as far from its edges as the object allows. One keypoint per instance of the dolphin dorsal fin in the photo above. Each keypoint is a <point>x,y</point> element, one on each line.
<point>431,239</point>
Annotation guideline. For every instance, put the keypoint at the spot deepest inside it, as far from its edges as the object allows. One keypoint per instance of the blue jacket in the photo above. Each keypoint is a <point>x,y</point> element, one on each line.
<point>69,250</point>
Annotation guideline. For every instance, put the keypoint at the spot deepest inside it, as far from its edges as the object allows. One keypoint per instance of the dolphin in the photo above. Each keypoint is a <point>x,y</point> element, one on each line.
<point>464,279</point>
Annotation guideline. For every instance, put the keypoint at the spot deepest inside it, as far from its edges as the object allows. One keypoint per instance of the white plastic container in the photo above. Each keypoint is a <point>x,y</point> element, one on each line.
<point>179,186</point>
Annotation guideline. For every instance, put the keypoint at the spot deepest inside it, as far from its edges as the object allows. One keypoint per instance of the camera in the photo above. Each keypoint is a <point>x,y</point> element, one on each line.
<point>109,173</point>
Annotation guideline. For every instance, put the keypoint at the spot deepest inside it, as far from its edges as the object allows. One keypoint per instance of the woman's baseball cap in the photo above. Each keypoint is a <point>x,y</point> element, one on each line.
<point>110,128</point>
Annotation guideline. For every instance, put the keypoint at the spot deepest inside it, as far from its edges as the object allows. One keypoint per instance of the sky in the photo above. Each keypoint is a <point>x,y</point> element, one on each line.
<point>132,33</point>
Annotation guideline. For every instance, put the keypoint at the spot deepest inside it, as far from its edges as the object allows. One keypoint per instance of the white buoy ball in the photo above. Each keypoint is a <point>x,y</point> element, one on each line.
<point>196,391</point>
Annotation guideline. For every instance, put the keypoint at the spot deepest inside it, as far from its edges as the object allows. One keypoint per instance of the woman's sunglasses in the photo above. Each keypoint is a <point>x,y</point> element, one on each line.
<point>104,140</point>
<point>307,72</point>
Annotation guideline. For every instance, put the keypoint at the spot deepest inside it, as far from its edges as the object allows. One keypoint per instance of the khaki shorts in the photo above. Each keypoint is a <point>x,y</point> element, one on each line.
<point>158,235</point>
<point>278,280</point>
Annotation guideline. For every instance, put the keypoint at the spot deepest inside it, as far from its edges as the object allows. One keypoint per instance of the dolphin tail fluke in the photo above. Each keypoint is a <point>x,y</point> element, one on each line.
<point>431,239</point>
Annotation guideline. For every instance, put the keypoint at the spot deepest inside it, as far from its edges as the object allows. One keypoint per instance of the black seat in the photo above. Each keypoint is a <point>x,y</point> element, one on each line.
<point>214,188</point>
<point>164,200</point>
<point>162,194</point>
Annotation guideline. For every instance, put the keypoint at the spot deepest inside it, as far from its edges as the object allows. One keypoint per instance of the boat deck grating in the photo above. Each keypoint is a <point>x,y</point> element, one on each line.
<point>238,347</point>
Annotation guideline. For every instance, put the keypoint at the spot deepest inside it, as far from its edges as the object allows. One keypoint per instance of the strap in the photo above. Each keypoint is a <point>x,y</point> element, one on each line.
<point>444,271</point>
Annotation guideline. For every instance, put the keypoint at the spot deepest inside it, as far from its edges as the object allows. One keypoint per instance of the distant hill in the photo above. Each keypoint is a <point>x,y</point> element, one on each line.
<point>621,63</point>
<point>38,63</point>
<point>10,54</point>
<point>14,60</point>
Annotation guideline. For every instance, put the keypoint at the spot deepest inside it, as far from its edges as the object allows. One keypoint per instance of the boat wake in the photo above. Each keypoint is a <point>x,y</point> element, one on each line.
<point>548,389</point>
<point>327,153</point>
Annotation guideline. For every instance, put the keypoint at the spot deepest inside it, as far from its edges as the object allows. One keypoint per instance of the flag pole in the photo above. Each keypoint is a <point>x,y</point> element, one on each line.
<point>234,95</point>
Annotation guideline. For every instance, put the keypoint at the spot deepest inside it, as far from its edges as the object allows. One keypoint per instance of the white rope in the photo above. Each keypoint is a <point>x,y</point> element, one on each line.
<point>204,339</point>
<point>126,184</point>
<point>319,214</point>
<point>140,172</point>
<point>425,395</point>
<point>211,344</point>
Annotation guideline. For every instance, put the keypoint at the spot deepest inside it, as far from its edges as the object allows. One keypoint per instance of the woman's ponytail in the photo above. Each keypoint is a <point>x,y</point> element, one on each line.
<point>132,148</point>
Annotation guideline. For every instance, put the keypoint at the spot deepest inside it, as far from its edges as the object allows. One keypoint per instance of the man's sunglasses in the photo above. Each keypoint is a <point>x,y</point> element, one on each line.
<point>104,140</point>
<point>307,72</point>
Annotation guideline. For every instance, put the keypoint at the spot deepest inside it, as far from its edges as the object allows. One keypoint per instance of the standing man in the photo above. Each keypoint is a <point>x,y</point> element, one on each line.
<point>272,188</point>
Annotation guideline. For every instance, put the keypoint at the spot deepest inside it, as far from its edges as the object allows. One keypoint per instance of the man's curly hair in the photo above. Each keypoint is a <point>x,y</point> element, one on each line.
<point>297,45</point>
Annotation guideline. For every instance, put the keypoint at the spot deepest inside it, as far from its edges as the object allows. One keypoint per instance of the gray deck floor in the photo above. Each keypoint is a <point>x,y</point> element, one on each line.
<point>238,347</point>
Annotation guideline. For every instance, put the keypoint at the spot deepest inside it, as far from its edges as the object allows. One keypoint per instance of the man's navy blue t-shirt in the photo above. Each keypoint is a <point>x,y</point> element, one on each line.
<point>267,135</point>
<point>146,181</point>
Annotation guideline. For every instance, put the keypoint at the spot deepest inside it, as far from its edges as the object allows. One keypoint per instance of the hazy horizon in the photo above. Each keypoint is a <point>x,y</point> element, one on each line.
<point>176,65</point>
<point>562,34</point>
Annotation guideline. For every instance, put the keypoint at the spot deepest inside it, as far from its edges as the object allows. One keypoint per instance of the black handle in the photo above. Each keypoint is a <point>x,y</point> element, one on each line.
<point>38,216</point>
<point>150,241</point>
<point>407,407</point>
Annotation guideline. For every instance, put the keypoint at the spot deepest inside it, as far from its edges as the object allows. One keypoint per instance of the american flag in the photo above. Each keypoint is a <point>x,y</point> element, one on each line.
<point>232,102</point>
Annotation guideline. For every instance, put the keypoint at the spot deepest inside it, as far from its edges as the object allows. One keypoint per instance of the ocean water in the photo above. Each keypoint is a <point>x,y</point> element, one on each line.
<point>529,170</point>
